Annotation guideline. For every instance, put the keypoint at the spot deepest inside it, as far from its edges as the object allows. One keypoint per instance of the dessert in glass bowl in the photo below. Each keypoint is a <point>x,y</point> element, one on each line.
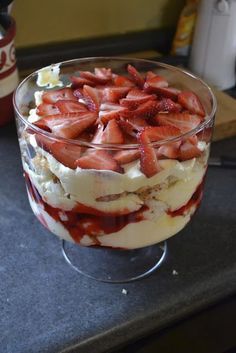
<point>114,150</point>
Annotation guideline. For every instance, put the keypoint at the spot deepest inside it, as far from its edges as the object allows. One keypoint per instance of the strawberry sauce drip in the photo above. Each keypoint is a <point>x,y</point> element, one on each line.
<point>194,201</point>
<point>94,224</point>
<point>80,224</point>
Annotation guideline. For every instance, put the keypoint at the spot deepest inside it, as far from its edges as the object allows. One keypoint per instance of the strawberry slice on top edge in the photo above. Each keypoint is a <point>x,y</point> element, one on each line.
<point>47,109</point>
<point>191,102</point>
<point>135,97</point>
<point>145,110</point>
<point>92,97</point>
<point>97,79</point>
<point>79,82</point>
<point>103,73</point>
<point>67,125</point>
<point>189,151</point>
<point>149,163</point>
<point>153,82</point>
<point>135,75</point>
<point>111,133</point>
<point>68,106</point>
<point>99,160</point>
<point>158,133</point>
<point>122,81</point>
<point>114,94</point>
<point>184,121</point>
<point>132,125</point>
<point>53,96</point>
<point>66,153</point>
<point>110,111</point>
<point>126,156</point>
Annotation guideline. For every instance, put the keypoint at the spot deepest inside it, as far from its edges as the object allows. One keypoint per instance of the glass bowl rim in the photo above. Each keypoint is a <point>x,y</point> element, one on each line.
<point>117,146</point>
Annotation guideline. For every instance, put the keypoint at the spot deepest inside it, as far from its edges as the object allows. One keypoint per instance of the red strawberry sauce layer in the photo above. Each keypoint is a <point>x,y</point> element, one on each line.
<point>80,224</point>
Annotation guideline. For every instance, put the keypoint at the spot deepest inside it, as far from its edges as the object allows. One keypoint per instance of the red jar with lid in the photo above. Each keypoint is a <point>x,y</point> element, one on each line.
<point>8,70</point>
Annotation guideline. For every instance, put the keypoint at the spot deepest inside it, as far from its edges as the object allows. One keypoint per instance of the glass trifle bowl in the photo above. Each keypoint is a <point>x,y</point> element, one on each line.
<point>114,153</point>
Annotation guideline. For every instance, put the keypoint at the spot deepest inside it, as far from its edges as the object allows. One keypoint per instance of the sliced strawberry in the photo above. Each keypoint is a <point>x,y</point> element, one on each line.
<point>154,82</point>
<point>132,125</point>
<point>184,121</point>
<point>54,95</point>
<point>158,133</point>
<point>97,138</point>
<point>191,102</point>
<point>150,75</point>
<point>68,125</point>
<point>110,111</point>
<point>149,163</point>
<point>144,110</point>
<point>47,109</point>
<point>98,80</point>
<point>93,97</point>
<point>122,81</point>
<point>126,156</point>
<point>103,73</point>
<point>205,134</point>
<point>78,93</point>
<point>112,133</point>
<point>169,150</point>
<point>79,82</point>
<point>66,153</point>
<point>44,142</point>
<point>113,94</point>
<point>168,92</point>
<point>167,105</point>
<point>67,106</point>
<point>136,76</point>
<point>135,97</point>
<point>189,151</point>
<point>100,160</point>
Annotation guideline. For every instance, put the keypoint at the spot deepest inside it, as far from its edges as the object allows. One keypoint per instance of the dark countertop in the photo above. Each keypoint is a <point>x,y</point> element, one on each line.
<point>47,307</point>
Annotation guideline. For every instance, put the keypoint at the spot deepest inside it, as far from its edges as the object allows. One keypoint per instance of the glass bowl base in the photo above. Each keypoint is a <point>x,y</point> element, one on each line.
<point>113,265</point>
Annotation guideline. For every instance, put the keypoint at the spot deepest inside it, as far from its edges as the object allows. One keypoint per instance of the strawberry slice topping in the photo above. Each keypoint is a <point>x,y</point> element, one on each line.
<point>132,125</point>
<point>191,102</point>
<point>67,106</point>
<point>93,97</point>
<point>168,92</point>
<point>167,105</point>
<point>68,125</point>
<point>54,95</point>
<point>126,156</point>
<point>136,76</point>
<point>78,82</point>
<point>47,109</point>
<point>158,133</point>
<point>103,73</point>
<point>135,97</point>
<point>188,151</point>
<point>112,133</point>
<point>110,111</point>
<point>66,153</point>
<point>100,160</point>
<point>144,110</point>
<point>154,82</point>
<point>97,79</point>
<point>149,163</point>
<point>169,150</point>
<point>113,94</point>
<point>184,121</point>
<point>122,81</point>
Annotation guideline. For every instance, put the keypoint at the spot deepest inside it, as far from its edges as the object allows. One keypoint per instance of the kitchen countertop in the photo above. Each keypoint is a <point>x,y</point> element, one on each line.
<point>48,307</point>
